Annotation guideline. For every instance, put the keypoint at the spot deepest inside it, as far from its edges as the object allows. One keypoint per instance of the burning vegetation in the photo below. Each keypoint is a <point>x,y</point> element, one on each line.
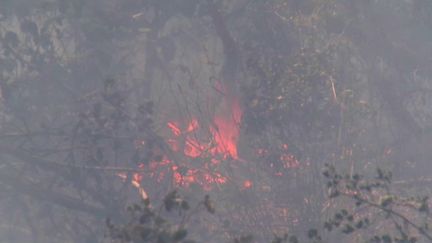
<point>206,150</point>
<point>242,101</point>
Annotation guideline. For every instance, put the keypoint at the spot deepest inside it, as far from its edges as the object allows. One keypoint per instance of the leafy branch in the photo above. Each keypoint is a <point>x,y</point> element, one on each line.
<point>375,193</point>
<point>148,225</point>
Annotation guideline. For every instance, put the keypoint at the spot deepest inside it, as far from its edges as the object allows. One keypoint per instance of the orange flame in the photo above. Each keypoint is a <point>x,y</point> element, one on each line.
<point>224,130</point>
<point>221,145</point>
<point>224,135</point>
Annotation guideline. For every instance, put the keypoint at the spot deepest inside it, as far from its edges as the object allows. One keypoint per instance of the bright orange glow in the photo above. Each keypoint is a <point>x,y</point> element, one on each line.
<point>193,148</point>
<point>226,129</point>
<point>226,135</point>
<point>136,182</point>
<point>200,149</point>
<point>222,144</point>
<point>174,128</point>
<point>225,132</point>
<point>193,125</point>
<point>218,147</point>
<point>247,184</point>
<point>137,178</point>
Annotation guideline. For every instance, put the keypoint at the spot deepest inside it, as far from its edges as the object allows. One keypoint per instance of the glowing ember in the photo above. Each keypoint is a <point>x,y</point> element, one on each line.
<point>136,182</point>
<point>226,130</point>
<point>174,128</point>
<point>289,161</point>
<point>209,151</point>
<point>284,160</point>
<point>247,184</point>
<point>226,135</point>
<point>222,144</point>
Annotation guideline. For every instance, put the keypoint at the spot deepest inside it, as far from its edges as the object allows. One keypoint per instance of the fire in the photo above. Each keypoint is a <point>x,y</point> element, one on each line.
<point>220,145</point>
<point>174,128</point>
<point>226,133</point>
<point>136,179</point>
<point>204,147</point>
<point>247,184</point>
